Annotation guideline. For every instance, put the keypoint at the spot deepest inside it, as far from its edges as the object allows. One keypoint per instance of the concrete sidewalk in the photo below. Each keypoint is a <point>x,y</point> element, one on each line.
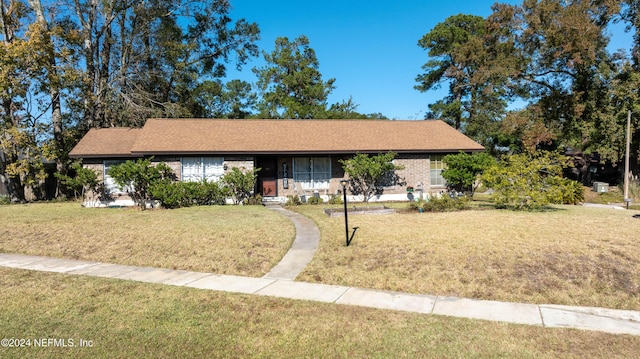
<point>551,316</point>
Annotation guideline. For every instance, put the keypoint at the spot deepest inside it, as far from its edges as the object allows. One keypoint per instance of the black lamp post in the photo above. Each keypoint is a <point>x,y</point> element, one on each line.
<point>344,183</point>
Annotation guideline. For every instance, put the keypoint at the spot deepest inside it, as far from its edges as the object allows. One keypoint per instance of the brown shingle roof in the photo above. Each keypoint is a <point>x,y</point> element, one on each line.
<point>204,136</point>
<point>106,142</point>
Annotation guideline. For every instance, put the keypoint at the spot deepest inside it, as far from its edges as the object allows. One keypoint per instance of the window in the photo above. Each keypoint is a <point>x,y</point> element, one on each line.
<point>110,185</point>
<point>312,172</point>
<point>196,169</point>
<point>436,167</point>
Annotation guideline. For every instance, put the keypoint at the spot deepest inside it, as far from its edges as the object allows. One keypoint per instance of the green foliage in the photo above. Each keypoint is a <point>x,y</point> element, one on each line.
<point>293,200</point>
<point>186,194</point>
<point>335,199</point>
<point>253,201</point>
<point>441,203</point>
<point>527,181</point>
<point>4,200</point>
<point>291,83</point>
<point>138,176</point>
<point>240,183</point>
<point>570,191</point>
<point>462,169</point>
<point>314,200</point>
<point>84,181</point>
<point>367,173</point>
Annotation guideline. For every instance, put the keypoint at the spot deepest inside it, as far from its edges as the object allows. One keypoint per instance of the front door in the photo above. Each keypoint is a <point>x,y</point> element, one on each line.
<point>268,176</point>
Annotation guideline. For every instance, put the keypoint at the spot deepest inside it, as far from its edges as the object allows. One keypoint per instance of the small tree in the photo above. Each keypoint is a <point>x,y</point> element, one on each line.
<point>240,183</point>
<point>137,177</point>
<point>367,173</point>
<point>85,181</point>
<point>462,169</point>
<point>525,181</point>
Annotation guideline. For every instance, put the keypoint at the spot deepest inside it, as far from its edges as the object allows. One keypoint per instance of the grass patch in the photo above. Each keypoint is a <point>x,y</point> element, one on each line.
<point>136,320</point>
<point>240,240</point>
<point>571,255</point>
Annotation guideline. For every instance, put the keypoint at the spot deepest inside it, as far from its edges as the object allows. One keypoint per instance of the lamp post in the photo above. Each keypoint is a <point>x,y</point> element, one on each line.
<point>344,183</point>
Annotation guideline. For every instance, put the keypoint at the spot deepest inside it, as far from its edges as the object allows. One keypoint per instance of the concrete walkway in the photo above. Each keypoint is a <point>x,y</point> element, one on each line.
<point>551,316</point>
<point>302,250</point>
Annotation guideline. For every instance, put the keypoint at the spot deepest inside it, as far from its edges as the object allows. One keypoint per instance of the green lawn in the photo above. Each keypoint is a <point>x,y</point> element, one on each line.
<point>124,319</point>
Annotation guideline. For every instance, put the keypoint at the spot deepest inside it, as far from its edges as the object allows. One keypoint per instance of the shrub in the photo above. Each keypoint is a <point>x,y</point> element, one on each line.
<point>186,194</point>
<point>446,203</point>
<point>240,183</point>
<point>253,200</point>
<point>526,181</point>
<point>335,199</point>
<point>462,170</point>
<point>5,200</point>
<point>293,200</point>
<point>567,191</point>
<point>137,177</point>
<point>84,181</point>
<point>314,200</point>
<point>369,174</point>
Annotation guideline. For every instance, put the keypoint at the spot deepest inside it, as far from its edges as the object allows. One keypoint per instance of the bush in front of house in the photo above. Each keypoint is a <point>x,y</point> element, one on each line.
<point>446,203</point>
<point>186,194</point>
<point>442,203</point>
<point>253,201</point>
<point>137,177</point>
<point>315,200</point>
<point>240,182</point>
<point>335,199</point>
<point>293,200</point>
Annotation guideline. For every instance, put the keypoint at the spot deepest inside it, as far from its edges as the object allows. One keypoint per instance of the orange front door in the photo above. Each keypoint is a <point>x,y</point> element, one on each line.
<point>268,187</point>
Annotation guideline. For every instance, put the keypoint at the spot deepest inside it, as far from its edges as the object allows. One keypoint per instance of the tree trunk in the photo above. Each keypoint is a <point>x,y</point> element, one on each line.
<point>54,93</point>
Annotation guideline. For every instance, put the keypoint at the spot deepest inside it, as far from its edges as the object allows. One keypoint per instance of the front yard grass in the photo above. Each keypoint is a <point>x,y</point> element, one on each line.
<point>568,255</point>
<point>125,319</point>
<point>239,240</point>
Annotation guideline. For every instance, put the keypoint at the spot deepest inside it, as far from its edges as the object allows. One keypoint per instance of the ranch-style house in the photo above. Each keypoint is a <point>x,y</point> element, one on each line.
<point>294,156</point>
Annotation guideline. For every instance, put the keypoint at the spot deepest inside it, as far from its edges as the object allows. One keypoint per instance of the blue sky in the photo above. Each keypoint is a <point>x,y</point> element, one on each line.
<point>369,47</point>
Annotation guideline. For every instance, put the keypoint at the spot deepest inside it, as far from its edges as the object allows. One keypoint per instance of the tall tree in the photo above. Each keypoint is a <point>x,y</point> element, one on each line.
<point>291,84</point>
<point>235,99</point>
<point>52,82</point>
<point>460,57</point>
<point>21,97</point>
<point>148,58</point>
<point>558,52</point>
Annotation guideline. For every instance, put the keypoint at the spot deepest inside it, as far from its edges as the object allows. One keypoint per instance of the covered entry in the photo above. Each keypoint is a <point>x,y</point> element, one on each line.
<point>267,176</point>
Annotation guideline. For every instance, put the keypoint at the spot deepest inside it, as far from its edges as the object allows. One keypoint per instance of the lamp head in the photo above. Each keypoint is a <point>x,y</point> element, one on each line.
<point>344,182</point>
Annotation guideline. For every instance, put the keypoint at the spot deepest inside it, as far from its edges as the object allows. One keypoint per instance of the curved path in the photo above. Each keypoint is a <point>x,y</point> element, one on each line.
<point>302,250</point>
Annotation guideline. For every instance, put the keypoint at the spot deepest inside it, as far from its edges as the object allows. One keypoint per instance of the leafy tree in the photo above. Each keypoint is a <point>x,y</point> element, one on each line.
<point>557,62</point>
<point>137,177</point>
<point>461,57</point>
<point>233,100</point>
<point>22,98</point>
<point>291,84</point>
<point>527,181</point>
<point>462,169</point>
<point>240,183</point>
<point>368,174</point>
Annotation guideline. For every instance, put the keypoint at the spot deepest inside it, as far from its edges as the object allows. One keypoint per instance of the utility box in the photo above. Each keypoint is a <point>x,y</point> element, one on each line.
<point>600,187</point>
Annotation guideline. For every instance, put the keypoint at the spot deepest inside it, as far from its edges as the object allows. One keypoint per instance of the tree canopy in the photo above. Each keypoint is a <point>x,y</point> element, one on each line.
<point>549,58</point>
<point>291,81</point>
